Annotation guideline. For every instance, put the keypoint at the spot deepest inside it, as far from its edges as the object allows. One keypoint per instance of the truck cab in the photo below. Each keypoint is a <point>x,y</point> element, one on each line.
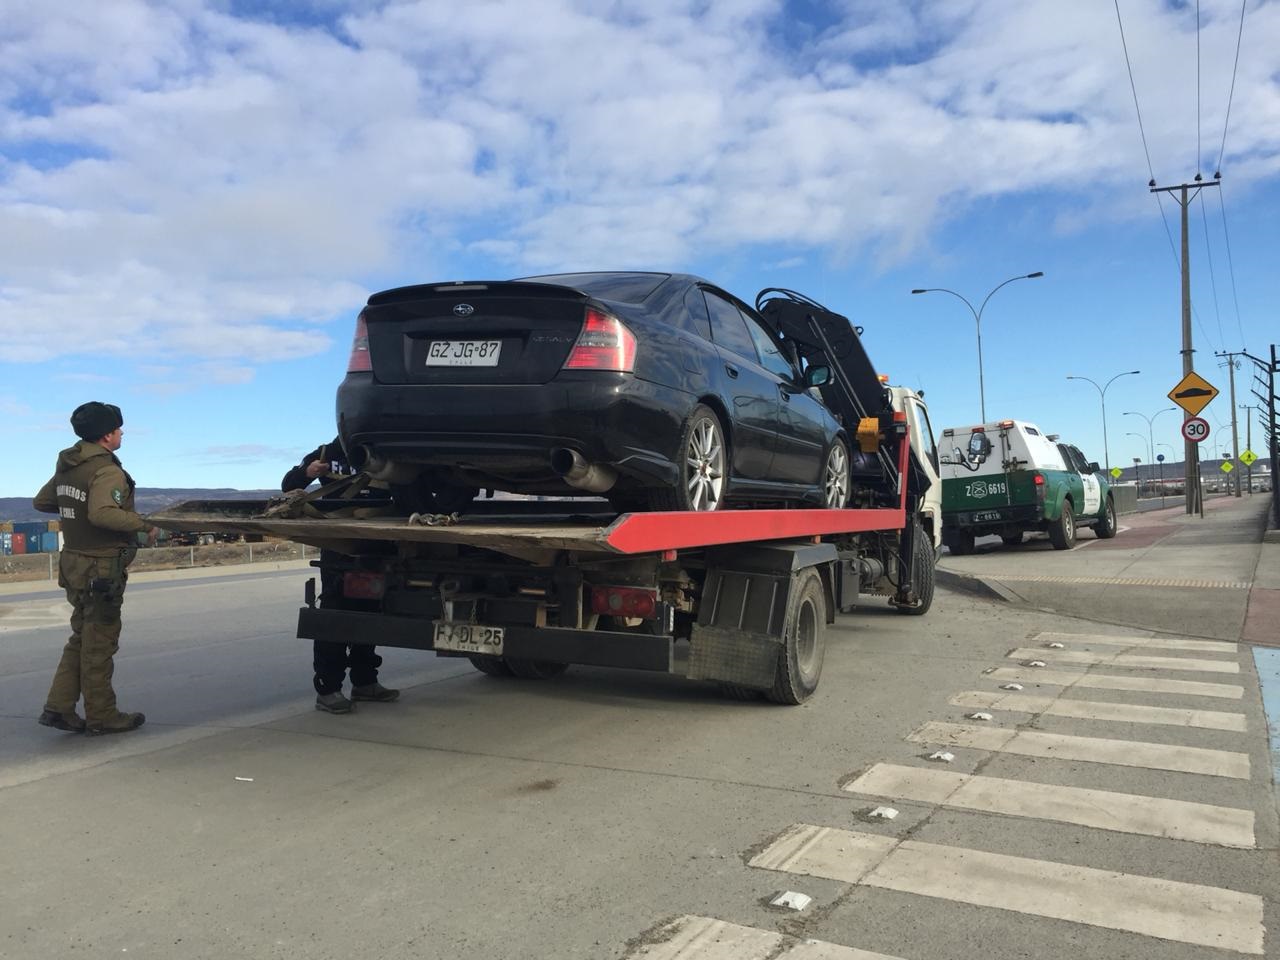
<point>908,401</point>
<point>1008,478</point>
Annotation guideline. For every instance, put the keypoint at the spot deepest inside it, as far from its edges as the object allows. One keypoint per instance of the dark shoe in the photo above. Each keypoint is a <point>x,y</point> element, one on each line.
<point>69,722</point>
<point>334,703</point>
<point>375,692</point>
<point>123,723</point>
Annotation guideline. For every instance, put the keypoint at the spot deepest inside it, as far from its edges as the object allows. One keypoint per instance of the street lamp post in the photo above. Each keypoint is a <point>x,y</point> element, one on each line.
<point>977,319</point>
<point>1168,446</point>
<point>1136,471</point>
<point>1102,393</point>
<point>1151,446</point>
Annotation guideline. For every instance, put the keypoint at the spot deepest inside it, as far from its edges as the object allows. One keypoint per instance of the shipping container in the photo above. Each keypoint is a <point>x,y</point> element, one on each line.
<point>19,544</point>
<point>49,542</point>
<point>6,544</point>
<point>31,528</point>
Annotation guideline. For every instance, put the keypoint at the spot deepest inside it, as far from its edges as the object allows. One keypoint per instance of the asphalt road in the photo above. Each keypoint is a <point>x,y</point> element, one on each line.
<point>582,818</point>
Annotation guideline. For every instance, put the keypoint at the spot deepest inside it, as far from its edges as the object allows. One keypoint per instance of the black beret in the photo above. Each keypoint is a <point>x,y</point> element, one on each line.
<point>93,420</point>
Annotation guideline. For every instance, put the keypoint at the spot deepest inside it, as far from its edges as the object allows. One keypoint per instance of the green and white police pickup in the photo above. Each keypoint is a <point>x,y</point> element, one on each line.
<point>1008,478</point>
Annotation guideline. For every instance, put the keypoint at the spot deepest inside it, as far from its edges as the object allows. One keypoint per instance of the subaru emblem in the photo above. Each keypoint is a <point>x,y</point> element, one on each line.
<point>464,310</point>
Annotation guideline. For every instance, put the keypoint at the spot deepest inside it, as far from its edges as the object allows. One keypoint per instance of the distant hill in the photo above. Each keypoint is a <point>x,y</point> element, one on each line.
<point>146,500</point>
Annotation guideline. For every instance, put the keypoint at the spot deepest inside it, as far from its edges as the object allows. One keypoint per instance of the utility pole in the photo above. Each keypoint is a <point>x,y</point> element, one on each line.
<point>1195,498</point>
<point>1235,430</point>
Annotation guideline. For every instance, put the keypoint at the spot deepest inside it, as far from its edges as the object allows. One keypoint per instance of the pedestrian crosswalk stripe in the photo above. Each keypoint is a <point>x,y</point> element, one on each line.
<point>1123,812</point>
<point>1154,643</point>
<point>1055,746</point>
<point>1100,710</point>
<point>1168,909</point>
<point>1133,661</point>
<point>1106,681</point>
<point>706,938</point>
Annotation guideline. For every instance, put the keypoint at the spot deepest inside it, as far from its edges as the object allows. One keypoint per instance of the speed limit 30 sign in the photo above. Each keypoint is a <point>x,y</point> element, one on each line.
<point>1195,429</point>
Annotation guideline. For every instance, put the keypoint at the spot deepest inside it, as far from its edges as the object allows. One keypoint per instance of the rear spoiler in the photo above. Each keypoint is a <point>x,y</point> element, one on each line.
<point>465,288</point>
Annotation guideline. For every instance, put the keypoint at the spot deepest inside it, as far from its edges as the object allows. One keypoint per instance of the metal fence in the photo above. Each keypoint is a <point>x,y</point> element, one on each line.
<point>44,566</point>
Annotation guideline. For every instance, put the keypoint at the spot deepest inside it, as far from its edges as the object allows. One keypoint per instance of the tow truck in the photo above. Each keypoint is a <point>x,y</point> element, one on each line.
<point>526,588</point>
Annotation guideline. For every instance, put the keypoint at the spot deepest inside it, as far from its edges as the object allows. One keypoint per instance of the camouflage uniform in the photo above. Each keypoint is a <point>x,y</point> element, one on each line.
<point>93,495</point>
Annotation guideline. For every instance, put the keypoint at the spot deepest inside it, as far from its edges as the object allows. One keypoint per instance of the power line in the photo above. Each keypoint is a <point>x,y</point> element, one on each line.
<point>1232,93</point>
<point>1208,252</point>
<point>1231,267</point>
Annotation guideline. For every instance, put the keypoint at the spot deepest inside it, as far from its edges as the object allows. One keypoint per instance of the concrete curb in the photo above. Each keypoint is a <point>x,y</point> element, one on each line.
<point>975,586</point>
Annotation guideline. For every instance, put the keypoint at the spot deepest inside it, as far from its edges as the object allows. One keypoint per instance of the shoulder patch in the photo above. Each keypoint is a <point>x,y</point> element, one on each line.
<point>118,496</point>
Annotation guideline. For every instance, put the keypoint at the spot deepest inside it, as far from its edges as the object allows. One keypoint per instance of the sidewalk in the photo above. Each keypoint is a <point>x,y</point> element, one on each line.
<point>1166,571</point>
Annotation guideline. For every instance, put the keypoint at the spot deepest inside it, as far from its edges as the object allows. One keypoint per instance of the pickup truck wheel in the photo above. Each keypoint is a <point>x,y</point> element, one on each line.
<point>803,645</point>
<point>835,477</point>
<point>491,666</point>
<point>1011,539</point>
<point>922,573</point>
<point>703,467</point>
<point>960,542</point>
<point>1106,526</point>
<point>536,669</point>
<point>1062,532</point>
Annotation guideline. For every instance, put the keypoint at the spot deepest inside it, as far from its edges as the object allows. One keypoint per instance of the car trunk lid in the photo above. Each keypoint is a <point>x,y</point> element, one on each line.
<point>500,332</point>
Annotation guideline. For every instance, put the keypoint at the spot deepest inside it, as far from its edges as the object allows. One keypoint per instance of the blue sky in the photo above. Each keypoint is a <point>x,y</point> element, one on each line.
<point>197,197</point>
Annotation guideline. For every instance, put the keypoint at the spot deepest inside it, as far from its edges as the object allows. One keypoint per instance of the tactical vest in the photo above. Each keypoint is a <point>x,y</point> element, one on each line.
<point>72,488</point>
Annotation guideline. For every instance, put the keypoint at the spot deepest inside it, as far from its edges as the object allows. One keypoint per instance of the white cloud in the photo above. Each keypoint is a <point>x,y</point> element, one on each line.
<point>183,183</point>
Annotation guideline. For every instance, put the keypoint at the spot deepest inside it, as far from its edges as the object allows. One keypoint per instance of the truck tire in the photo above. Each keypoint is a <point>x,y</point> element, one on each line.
<point>804,641</point>
<point>1105,528</point>
<point>491,666</point>
<point>536,669</point>
<point>702,487</point>
<point>735,691</point>
<point>1062,532</point>
<point>923,576</point>
<point>1012,539</point>
<point>960,542</point>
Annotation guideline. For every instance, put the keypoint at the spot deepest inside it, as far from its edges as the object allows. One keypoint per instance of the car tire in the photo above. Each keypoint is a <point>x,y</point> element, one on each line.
<point>1012,539</point>
<point>1062,532</point>
<point>1105,528</point>
<point>959,542</point>
<point>702,466</point>
<point>804,643</point>
<point>490,666</point>
<point>836,478</point>
<point>923,573</point>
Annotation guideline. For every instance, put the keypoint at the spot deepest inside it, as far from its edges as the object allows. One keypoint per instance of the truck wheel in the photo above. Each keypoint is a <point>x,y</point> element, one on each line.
<point>1106,527</point>
<point>491,666</point>
<point>922,573</point>
<point>960,542</point>
<point>703,467</point>
<point>735,691</point>
<point>536,669</point>
<point>835,477</point>
<point>1062,532</point>
<point>1011,539</point>
<point>803,645</point>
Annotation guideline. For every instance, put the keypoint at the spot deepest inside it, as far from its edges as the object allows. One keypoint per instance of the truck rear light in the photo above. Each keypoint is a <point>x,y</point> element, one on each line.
<point>604,344</point>
<point>360,361</point>
<point>624,602</point>
<point>1038,479</point>
<point>363,585</point>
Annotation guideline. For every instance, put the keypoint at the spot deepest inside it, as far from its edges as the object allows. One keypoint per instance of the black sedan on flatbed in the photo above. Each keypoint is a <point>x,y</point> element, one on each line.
<point>658,391</point>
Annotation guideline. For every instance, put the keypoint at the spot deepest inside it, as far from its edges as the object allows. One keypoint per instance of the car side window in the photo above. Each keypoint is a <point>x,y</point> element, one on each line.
<point>729,327</point>
<point>771,356</point>
<point>926,432</point>
<point>1081,461</point>
<point>695,318</point>
<point>1067,461</point>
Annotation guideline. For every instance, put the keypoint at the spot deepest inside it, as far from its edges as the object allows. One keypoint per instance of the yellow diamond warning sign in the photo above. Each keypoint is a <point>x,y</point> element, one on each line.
<point>1248,458</point>
<point>1193,393</point>
<point>1116,472</point>
<point>1227,466</point>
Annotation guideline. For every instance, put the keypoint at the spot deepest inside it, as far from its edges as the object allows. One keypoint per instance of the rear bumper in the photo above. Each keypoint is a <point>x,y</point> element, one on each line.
<point>1028,517</point>
<point>506,433</point>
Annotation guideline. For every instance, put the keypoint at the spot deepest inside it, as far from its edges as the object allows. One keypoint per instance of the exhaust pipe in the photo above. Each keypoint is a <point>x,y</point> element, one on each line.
<point>386,471</point>
<point>578,473</point>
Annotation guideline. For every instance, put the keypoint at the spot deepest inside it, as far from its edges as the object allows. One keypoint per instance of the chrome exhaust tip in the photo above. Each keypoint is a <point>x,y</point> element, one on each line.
<point>577,472</point>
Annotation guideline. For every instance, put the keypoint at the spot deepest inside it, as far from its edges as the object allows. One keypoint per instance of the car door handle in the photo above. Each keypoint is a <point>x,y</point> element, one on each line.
<point>731,370</point>
<point>786,397</point>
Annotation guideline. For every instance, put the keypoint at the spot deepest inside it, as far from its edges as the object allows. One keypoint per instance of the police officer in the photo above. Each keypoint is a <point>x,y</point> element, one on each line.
<point>331,660</point>
<point>93,495</point>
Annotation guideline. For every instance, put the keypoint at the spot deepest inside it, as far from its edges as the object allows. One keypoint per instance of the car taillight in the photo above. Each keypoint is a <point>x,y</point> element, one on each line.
<point>360,360</point>
<point>604,344</point>
<point>362,585</point>
<point>624,602</point>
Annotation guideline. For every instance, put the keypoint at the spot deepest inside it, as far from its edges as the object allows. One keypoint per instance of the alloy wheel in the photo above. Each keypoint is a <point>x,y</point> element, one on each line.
<point>705,458</point>
<point>835,484</point>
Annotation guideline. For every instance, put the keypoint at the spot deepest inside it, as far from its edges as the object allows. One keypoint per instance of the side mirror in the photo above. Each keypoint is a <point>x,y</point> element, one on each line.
<point>979,447</point>
<point>817,376</point>
<point>1094,468</point>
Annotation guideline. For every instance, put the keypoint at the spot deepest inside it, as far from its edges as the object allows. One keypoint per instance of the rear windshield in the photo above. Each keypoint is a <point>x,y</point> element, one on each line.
<point>623,287</point>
